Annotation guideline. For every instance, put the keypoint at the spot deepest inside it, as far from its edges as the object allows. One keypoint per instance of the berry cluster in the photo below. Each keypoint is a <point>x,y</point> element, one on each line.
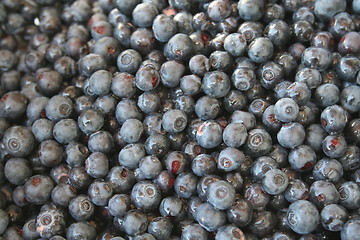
<point>180,119</point>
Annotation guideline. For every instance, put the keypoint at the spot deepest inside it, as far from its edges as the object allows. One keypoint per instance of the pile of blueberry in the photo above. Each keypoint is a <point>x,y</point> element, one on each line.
<point>180,119</point>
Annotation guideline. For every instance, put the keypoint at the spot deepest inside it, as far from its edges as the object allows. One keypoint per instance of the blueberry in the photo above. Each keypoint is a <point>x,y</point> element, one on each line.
<point>210,218</point>
<point>164,27</point>
<point>328,169</point>
<point>203,164</point>
<point>165,180</point>
<point>243,78</point>
<point>8,60</point>
<point>324,10</point>
<point>263,223</point>
<point>291,135</point>
<point>240,213</point>
<point>304,13</point>
<point>286,109</point>
<point>35,108</point>
<point>127,109</point>
<point>218,10</point>
<point>352,131</point>
<point>209,134</point>
<point>79,177</point>
<point>97,165</point>
<point>173,207</point>
<point>119,204</point>
<point>349,98</point>
<point>334,146</point>
<point>207,107</point>
<point>76,153</point>
<point>327,94</point>
<point>18,141</point>
<point>176,162</point>
<point>179,47</point>
<point>229,232</point>
<point>251,11</point>
<point>323,193</point>
<point>129,61</point>
<point>183,21</point>
<point>278,32</point>
<point>174,121</point>
<point>142,40</point>
<point>194,230</point>
<point>260,166</point>
<point>62,194</point>
<point>258,107</point>
<point>59,107</point>
<point>131,155</point>
<point>235,44</point>
<point>121,179</point>
<point>66,66</point>
<point>123,85</point>
<point>302,158</point>
<point>91,63</point>
<point>347,43</point>
<point>269,119</point>
<point>185,184</point>
<point>260,49</point>
<point>29,229</point>
<point>100,82</point>
<point>296,190</point>
<point>234,100</point>
<point>220,194</point>
<point>333,217</point>
<point>144,14</point>
<point>244,117</point>
<point>270,74</point>
<point>60,173</point>
<point>100,192</point>
<point>220,60</point>
<point>65,131</point>
<point>17,170</point>
<point>126,7</point>
<point>50,223</point>
<point>350,229</point>
<point>144,236</point>
<point>81,208</point>
<point>4,220</point>
<point>349,195</point>
<point>157,144</point>
<point>199,64</point>
<point>147,78</point>
<point>350,160</point>
<point>216,83</point>
<point>203,184</point>
<point>314,136</point>
<point>82,230</point>
<point>258,142</point>
<point>255,194</point>
<point>235,135</point>
<point>122,32</point>
<point>318,58</point>
<point>299,92</point>
<point>108,47</point>
<point>38,189</point>
<point>303,217</point>
<point>13,105</point>
<point>275,181</point>
<point>90,121</point>
<point>230,159</point>
<point>49,81</point>
<point>131,130</point>
<point>160,228</point>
